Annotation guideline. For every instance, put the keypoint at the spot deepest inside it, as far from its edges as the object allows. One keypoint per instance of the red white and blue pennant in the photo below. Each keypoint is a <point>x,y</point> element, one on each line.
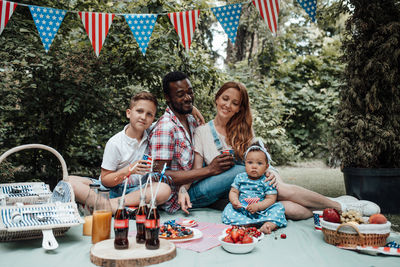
<point>97,26</point>
<point>6,11</point>
<point>269,11</point>
<point>228,16</point>
<point>185,23</point>
<point>310,6</point>
<point>47,21</point>
<point>142,26</point>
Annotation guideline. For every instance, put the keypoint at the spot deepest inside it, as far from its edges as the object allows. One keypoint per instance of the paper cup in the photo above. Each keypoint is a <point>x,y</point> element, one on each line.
<point>317,220</point>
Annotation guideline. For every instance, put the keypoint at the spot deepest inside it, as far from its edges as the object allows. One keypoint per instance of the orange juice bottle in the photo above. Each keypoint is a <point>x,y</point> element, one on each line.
<point>88,209</point>
<point>102,214</point>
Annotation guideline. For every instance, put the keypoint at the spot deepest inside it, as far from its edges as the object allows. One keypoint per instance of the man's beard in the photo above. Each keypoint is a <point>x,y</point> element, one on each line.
<point>180,110</point>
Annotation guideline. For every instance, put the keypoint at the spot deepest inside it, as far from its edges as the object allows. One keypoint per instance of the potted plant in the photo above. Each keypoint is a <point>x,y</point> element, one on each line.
<point>368,120</point>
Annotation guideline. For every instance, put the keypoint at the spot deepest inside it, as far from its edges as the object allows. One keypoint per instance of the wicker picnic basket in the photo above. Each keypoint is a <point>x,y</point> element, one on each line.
<point>351,234</point>
<point>35,206</point>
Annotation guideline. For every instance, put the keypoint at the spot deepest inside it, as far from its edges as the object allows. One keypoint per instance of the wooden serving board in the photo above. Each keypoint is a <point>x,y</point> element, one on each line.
<point>104,254</point>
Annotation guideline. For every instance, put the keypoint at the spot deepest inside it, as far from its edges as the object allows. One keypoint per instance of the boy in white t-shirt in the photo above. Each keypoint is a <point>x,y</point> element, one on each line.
<point>122,152</point>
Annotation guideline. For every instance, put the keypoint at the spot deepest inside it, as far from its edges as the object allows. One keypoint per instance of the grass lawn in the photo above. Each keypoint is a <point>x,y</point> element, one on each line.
<point>316,176</point>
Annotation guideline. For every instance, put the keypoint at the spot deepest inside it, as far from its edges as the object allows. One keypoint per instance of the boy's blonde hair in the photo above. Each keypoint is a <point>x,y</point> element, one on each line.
<point>143,96</point>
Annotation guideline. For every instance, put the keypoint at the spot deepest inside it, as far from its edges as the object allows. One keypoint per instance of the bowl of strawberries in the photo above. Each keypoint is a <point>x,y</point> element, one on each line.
<point>238,241</point>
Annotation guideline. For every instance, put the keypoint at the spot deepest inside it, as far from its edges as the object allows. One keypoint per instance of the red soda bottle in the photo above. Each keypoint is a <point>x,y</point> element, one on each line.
<point>152,225</point>
<point>140,221</point>
<point>121,229</point>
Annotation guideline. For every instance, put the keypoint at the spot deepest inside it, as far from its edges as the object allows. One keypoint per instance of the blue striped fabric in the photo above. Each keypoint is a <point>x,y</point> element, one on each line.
<point>53,214</point>
<point>25,190</point>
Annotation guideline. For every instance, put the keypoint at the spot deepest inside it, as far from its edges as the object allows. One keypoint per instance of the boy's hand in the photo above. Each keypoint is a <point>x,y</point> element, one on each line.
<point>140,168</point>
<point>237,205</point>
<point>253,208</point>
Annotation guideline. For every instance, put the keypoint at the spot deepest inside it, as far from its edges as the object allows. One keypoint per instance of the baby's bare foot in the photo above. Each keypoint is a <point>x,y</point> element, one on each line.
<point>268,227</point>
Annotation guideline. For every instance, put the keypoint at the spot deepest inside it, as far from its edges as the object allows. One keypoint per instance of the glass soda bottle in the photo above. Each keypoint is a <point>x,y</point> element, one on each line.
<point>140,221</point>
<point>102,217</point>
<point>152,226</point>
<point>88,209</point>
<point>121,228</point>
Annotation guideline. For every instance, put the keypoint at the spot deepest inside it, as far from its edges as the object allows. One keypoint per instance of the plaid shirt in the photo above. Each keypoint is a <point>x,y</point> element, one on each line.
<point>169,141</point>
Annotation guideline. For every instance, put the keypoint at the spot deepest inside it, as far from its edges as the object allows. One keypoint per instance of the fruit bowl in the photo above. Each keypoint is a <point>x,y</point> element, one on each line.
<point>238,248</point>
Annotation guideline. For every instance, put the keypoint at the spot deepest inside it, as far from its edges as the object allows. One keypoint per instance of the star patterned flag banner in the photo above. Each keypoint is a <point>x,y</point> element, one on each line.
<point>269,11</point>
<point>6,11</point>
<point>96,26</point>
<point>228,16</point>
<point>47,21</point>
<point>142,26</point>
<point>185,23</point>
<point>310,6</point>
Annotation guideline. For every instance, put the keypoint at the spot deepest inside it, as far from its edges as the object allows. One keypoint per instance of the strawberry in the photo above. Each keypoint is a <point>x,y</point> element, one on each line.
<point>228,239</point>
<point>241,233</point>
<point>235,236</point>
<point>247,239</point>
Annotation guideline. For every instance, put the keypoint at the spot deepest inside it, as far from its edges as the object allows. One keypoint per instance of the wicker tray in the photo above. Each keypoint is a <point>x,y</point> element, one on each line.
<point>352,235</point>
<point>58,213</point>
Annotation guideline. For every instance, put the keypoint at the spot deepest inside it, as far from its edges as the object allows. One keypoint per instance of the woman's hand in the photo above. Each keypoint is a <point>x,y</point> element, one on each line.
<point>253,208</point>
<point>273,178</point>
<point>184,199</point>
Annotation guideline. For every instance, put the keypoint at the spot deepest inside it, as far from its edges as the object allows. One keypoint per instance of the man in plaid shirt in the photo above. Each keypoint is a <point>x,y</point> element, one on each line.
<point>171,140</point>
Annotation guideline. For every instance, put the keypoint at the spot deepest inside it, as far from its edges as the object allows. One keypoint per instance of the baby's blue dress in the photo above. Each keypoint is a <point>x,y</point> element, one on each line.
<point>253,188</point>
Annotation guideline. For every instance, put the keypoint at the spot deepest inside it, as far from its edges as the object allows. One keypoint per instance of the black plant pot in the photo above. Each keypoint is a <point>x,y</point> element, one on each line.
<point>381,186</point>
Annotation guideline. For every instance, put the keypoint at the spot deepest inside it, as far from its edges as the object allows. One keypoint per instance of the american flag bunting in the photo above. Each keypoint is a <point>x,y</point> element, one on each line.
<point>6,11</point>
<point>310,6</point>
<point>142,26</point>
<point>229,16</point>
<point>47,21</point>
<point>269,11</point>
<point>96,26</point>
<point>185,23</point>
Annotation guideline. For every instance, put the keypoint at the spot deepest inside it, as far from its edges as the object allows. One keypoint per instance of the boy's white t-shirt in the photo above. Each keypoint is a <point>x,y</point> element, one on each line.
<point>121,150</point>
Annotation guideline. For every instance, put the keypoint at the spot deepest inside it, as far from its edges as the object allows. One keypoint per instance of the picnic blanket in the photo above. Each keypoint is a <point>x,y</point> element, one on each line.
<point>303,246</point>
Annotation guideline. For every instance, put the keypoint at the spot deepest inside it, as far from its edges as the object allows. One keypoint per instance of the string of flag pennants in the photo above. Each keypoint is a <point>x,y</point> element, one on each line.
<point>48,21</point>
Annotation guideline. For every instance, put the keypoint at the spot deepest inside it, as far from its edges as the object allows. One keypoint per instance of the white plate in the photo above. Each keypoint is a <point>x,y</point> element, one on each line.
<point>258,238</point>
<point>196,235</point>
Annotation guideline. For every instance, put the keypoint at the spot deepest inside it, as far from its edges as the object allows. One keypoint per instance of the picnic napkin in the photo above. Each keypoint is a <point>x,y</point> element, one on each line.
<point>211,232</point>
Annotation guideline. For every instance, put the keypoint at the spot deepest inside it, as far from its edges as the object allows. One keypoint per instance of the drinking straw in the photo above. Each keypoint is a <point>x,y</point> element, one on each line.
<point>159,182</point>
<point>126,182</point>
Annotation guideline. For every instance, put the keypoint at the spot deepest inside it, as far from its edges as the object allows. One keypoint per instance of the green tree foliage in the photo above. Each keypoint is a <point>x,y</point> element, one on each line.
<point>73,101</point>
<point>368,121</point>
<point>302,64</point>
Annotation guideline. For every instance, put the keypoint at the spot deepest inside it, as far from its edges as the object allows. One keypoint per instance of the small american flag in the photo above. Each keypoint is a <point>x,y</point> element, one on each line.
<point>6,11</point>
<point>251,200</point>
<point>269,11</point>
<point>185,23</point>
<point>96,26</point>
